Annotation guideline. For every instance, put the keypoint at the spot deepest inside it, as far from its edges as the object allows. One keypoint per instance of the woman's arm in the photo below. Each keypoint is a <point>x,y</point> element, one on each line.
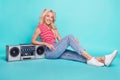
<point>57,35</point>
<point>34,40</point>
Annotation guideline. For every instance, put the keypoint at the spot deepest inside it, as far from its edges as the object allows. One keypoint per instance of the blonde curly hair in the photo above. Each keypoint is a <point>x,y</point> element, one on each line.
<point>42,17</point>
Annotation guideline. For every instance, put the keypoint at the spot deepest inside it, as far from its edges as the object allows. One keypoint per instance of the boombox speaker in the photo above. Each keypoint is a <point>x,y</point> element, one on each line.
<point>24,51</point>
<point>13,53</point>
<point>39,51</point>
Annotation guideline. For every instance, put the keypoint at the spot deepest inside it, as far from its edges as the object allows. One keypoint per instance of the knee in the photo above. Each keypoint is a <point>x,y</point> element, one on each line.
<point>70,36</point>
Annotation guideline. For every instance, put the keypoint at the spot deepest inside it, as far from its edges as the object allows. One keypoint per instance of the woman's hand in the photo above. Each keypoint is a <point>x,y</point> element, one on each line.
<point>50,46</point>
<point>76,40</point>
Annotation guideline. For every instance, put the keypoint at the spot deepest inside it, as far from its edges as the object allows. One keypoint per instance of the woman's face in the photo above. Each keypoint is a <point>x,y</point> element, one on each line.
<point>49,18</point>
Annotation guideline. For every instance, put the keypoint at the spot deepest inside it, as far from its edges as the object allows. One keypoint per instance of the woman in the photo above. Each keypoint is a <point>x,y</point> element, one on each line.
<point>48,34</point>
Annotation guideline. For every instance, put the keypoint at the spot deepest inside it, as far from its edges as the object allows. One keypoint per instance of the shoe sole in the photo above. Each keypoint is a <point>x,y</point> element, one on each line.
<point>113,57</point>
<point>98,65</point>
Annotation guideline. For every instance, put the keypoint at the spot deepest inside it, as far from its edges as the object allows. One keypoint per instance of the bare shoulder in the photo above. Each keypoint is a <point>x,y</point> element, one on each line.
<point>37,30</point>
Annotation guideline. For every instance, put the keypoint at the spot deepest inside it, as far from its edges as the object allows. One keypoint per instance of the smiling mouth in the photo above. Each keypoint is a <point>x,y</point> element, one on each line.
<point>48,21</point>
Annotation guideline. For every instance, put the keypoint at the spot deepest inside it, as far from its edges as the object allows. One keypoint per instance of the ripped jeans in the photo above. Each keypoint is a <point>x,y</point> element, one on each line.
<point>61,51</point>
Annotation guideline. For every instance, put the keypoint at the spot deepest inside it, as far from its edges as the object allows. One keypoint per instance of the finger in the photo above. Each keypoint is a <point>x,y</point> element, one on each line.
<point>76,40</point>
<point>53,48</point>
<point>50,48</point>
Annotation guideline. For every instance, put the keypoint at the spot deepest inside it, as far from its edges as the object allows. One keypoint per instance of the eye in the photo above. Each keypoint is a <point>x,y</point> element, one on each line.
<point>47,15</point>
<point>52,17</point>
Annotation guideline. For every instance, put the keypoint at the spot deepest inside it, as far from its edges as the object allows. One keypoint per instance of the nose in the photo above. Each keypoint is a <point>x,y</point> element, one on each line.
<point>51,19</point>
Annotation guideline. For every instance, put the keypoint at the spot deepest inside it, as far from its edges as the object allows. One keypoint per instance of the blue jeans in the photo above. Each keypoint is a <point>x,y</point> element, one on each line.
<point>61,51</point>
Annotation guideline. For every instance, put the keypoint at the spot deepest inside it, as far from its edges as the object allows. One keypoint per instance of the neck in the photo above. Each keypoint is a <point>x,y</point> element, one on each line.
<point>47,26</point>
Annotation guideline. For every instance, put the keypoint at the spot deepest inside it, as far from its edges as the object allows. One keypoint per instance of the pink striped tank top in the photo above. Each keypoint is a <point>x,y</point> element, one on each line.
<point>46,34</point>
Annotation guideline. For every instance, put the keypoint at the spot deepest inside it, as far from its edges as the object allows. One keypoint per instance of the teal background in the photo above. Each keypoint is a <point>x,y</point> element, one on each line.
<point>96,23</point>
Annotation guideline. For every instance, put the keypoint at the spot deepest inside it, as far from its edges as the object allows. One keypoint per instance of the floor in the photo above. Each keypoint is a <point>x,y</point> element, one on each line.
<point>44,69</point>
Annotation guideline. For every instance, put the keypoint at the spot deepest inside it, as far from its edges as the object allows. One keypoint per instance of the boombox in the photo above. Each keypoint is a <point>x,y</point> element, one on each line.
<point>24,51</point>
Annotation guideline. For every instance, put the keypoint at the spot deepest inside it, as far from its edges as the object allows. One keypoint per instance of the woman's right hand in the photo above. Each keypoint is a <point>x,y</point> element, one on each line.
<point>50,46</point>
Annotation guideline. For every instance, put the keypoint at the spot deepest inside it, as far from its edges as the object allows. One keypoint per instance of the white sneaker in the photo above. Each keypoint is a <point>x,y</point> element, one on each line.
<point>109,58</point>
<point>94,62</point>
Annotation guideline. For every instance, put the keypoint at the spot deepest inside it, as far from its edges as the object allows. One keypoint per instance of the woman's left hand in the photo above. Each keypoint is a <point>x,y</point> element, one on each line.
<point>76,40</point>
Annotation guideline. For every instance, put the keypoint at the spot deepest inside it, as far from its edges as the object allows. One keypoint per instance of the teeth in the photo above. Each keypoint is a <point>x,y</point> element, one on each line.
<point>48,20</point>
